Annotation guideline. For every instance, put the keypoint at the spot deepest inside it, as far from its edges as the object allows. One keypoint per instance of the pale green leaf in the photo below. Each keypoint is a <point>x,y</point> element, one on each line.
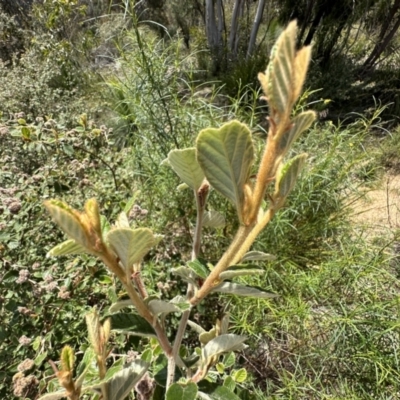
<point>243,290</point>
<point>239,375</point>
<point>213,219</point>
<point>199,267</point>
<point>122,382</point>
<point>181,302</point>
<point>240,270</point>
<point>222,344</point>
<point>187,275</point>
<point>54,396</point>
<point>299,124</point>
<point>119,305</point>
<point>286,176</point>
<point>66,218</point>
<point>162,307</point>
<point>279,74</point>
<point>258,256</point>
<point>205,337</point>
<point>229,383</point>
<point>226,156</point>
<point>86,367</point>
<point>122,221</point>
<point>185,165</point>
<point>65,248</point>
<point>131,245</point>
<point>182,391</point>
<point>197,328</point>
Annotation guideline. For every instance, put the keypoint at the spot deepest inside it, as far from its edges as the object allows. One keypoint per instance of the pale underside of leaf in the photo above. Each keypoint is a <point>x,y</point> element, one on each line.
<point>299,124</point>
<point>131,245</point>
<point>222,344</point>
<point>119,305</point>
<point>242,290</point>
<point>213,219</point>
<point>185,165</point>
<point>68,221</point>
<point>280,70</point>
<point>66,248</point>
<point>258,256</point>
<point>287,176</point>
<point>54,396</point>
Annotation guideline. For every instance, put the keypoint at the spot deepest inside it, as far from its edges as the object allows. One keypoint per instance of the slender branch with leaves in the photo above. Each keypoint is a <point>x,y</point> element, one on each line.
<point>223,159</point>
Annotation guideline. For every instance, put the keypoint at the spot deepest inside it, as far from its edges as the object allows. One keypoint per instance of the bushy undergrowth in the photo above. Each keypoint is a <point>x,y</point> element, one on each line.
<point>332,332</point>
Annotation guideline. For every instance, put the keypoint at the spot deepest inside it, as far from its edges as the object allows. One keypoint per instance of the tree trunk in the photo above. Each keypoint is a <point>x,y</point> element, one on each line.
<point>235,25</point>
<point>384,41</point>
<point>256,26</point>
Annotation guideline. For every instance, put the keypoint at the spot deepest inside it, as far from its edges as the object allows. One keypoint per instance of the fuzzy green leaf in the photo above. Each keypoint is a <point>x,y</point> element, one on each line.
<point>66,248</point>
<point>131,245</point>
<point>258,256</point>
<point>122,382</point>
<point>54,396</point>
<point>214,219</point>
<point>122,221</point>
<point>240,270</point>
<point>222,344</point>
<point>286,176</point>
<point>185,165</point>
<point>182,391</point>
<point>229,383</point>
<point>226,157</point>
<point>243,290</point>
<point>199,267</point>
<point>67,219</point>
<point>86,366</point>
<point>279,74</point>
<point>162,307</point>
<point>132,324</point>
<point>187,275</point>
<point>299,124</point>
<point>119,305</point>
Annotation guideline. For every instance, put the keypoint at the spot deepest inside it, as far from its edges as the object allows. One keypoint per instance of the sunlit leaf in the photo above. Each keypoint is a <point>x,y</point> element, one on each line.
<point>277,83</point>
<point>226,156</point>
<point>65,248</point>
<point>199,268</point>
<point>243,290</point>
<point>222,344</point>
<point>68,220</point>
<point>54,396</point>
<point>185,165</point>
<point>131,245</point>
<point>258,256</point>
<point>240,270</point>
<point>286,176</point>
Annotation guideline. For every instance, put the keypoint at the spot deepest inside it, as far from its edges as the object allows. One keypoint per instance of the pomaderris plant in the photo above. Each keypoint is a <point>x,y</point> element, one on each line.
<point>223,159</point>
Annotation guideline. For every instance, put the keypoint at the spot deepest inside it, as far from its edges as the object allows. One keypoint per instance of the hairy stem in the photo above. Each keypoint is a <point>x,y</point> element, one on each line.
<point>201,197</point>
<point>112,263</point>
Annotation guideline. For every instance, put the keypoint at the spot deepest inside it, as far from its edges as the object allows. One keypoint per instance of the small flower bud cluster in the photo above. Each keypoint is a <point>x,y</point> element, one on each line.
<point>64,294</point>
<point>23,276</point>
<point>24,341</point>
<point>137,212</point>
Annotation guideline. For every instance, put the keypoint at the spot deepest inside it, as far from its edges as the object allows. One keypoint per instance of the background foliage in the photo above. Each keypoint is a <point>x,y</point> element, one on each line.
<point>147,87</point>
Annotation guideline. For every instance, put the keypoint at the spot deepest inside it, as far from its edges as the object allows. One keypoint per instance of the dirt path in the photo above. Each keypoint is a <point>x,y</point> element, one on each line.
<point>379,212</point>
